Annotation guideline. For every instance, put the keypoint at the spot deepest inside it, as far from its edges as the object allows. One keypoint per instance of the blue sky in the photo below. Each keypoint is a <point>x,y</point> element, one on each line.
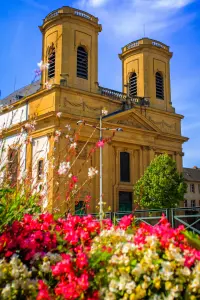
<point>174,22</point>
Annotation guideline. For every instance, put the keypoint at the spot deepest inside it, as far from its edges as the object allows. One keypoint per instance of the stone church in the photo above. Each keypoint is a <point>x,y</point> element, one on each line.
<point>143,110</point>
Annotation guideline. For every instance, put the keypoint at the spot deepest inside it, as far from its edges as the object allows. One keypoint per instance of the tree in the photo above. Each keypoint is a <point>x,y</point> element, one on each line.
<point>161,186</point>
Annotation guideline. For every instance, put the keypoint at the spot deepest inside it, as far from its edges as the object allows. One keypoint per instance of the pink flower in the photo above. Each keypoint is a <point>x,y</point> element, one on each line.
<point>74,179</point>
<point>125,222</point>
<point>100,143</point>
<point>81,260</point>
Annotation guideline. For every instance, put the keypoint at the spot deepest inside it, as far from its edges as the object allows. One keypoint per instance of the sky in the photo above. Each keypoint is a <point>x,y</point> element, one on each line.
<point>173,22</point>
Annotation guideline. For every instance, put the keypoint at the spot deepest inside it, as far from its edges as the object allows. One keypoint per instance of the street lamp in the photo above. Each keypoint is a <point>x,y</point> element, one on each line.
<point>101,129</point>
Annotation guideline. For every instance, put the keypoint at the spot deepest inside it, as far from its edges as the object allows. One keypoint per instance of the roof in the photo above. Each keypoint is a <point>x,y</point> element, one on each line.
<point>19,94</point>
<point>191,174</point>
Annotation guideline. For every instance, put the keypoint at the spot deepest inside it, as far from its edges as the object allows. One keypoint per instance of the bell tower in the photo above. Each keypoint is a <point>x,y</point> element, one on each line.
<point>146,72</point>
<point>70,46</point>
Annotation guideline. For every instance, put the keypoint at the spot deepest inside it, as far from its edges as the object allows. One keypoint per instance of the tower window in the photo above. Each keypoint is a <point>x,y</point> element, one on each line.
<point>12,167</point>
<point>51,61</point>
<point>82,63</point>
<point>133,85</point>
<point>159,86</point>
<point>40,169</point>
<point>124,167</point>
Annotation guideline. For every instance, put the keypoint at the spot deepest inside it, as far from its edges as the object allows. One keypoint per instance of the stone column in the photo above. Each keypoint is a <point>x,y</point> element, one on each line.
<point>151,154</point>
<point>179,162</point>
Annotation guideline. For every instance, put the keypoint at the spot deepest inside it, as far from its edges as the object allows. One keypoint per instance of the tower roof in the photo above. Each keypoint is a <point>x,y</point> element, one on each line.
<point>144,43</point>
<point>67,11</point>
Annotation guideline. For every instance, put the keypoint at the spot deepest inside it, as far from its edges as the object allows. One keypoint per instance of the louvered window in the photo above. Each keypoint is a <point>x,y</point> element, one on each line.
<point>133,85</point>
<point>51,61</point>
<point>159,86</point>
<point>82,63</point>
<point>12,167</point>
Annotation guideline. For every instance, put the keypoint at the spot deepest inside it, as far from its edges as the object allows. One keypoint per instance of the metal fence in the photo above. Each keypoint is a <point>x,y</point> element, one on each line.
<point>189,217</point>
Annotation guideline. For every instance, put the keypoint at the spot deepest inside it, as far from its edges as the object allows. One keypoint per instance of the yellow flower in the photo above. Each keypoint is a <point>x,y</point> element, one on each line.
<point>140,292</point>
<point>168,285</point>
<point>132,297</point>
<point>157,283</point>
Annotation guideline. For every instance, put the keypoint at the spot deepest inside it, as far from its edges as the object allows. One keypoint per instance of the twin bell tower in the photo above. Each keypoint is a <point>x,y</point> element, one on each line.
<point>70,45</point>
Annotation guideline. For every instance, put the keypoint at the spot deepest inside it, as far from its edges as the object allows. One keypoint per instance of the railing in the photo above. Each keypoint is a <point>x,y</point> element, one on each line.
<point>71,11</point>
<point>144,41</point>
<point>151,217</point>
<point>112,93</point>
<point>115,95</point>
<point>189,217</point>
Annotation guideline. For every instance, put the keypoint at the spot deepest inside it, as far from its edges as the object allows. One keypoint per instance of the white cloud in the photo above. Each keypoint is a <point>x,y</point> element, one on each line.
<point>98,3</point>
<point>172,3</point>
<point>124,18</point>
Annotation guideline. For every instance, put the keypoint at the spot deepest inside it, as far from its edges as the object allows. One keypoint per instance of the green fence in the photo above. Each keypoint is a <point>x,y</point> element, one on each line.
<point>189,217</point>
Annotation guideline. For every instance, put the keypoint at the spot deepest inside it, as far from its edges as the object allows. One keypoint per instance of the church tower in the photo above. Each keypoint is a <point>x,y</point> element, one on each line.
<point>146,72</point>
<point>70,46</point>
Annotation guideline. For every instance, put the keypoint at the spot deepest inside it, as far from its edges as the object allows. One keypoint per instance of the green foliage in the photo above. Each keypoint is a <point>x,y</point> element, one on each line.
<point>193,239</point>
<point>14,203</point>
<point>161,186</point>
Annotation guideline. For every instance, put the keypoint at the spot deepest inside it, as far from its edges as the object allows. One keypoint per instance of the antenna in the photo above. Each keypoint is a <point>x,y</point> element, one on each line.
<point>144,30</point>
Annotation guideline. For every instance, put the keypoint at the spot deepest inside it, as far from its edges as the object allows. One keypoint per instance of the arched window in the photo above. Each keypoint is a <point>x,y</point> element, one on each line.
<point>124,167</point>
<point>133,85</point>
<point>51,61</point>
<point>159,86</point>
<point>82,63</point>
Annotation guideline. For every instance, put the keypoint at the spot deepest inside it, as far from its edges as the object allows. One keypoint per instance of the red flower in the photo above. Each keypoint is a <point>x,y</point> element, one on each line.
<point>43,291</point>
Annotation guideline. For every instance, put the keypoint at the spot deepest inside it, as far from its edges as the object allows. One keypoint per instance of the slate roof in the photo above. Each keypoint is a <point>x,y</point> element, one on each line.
<point>191,174</point>
<point>20,93</point>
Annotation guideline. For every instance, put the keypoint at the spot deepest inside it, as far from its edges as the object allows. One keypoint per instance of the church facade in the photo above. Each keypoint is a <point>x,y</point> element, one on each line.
<point>70,85</point>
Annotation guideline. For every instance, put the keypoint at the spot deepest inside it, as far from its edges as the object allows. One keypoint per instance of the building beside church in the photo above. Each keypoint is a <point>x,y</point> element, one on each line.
<point>192,179</point>
<point>143,109</point>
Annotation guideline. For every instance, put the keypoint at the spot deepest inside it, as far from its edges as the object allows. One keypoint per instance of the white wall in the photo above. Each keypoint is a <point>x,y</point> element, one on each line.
<point>40,149</point>
<point>13,117</point>
<point>18,139</point>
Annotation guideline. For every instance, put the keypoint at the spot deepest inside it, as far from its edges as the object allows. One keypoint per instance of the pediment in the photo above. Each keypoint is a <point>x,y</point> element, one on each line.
<point>132,119</point>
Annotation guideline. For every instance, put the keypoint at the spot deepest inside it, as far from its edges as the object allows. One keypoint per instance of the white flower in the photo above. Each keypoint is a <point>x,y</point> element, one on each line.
<point>104,112</point>
<point>58,133</point>
<point>63,168</point>
<point>42,65</point>
<point>48,85</point>
<point>59,114</point>
<point>70,175</point>
<point>130,287</point>
<point>43,193</point>
<point>68,127</point>
<point>73,146</point>
<point>92,172</point>
<point>67,136</point>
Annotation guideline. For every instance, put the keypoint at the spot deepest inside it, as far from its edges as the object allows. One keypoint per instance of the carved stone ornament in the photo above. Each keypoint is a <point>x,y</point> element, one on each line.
<point>132,123</point>
<point>164,126</point>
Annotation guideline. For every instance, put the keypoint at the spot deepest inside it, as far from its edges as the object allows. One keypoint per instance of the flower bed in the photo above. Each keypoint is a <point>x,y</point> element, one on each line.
<point>43,258</point>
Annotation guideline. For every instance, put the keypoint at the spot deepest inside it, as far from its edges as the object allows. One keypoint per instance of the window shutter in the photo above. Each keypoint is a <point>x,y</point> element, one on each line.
<point>82,63</point>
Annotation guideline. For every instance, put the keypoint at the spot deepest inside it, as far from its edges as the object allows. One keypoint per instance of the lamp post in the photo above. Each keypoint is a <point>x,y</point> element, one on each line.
<point>101,129</point>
